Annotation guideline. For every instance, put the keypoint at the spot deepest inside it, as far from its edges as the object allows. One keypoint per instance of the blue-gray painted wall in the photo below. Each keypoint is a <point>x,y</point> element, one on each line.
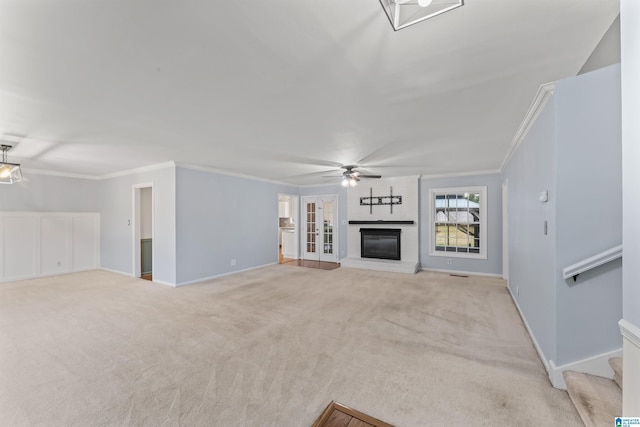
<point>589,212</point>
<point>573,150</point>
<point>47,193</point>
<point>532,259</point>
<point>116,235</point>
<point>222,218</point>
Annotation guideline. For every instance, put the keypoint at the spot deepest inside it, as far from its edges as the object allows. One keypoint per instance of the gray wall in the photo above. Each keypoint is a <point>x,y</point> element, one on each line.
<point>631,159</point>
<point>47,193</point>
<point>531,252</point>
<point>116,238</point>
<point>607,52</point>
<point>573,151</point>
<point>493,264</point>
<point>222,218</point>
<point>588,212</point>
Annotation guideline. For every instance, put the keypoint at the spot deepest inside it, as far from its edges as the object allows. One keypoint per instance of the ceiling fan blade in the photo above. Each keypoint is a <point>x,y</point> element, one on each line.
<point>369,176</point>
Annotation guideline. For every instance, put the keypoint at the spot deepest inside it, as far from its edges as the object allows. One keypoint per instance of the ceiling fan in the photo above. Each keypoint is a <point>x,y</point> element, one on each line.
<point>350,176</point>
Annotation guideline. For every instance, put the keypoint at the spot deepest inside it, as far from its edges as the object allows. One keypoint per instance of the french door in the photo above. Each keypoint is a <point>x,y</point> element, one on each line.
<point>320,228</point>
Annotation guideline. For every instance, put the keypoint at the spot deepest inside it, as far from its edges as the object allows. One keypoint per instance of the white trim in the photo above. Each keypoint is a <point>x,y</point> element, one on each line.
<point>124,273</point>
<point>459,272</point>
<point>162,282</point>
<point>139,170</point>
<point>136,214</point>
<point>592,262</point>
<point>505,230</point>
<point>545,92</point>
<point>229,173</point>
<point>60,174</point>
<point>630,368</point>
<point>217,276</point>
<point>482,189</point>
<point>335,198</point>
<point>541,355</point>
<point>594,365</point>
<point>408,267</point>
<point>461,174</point>
<point>630,331</point>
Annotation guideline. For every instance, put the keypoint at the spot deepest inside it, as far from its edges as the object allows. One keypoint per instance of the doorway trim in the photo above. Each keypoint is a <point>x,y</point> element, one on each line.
<point>505,230</point>
<point>294,205</point>
<point>336,228</point>
<point>136,227</point>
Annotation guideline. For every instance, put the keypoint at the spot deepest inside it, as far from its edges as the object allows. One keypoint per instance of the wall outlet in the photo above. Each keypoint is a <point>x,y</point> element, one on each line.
<point>449,261</point>
<point>233,262</point>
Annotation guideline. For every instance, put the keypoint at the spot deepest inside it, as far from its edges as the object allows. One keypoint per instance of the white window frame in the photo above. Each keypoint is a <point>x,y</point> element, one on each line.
<point>482,190</point>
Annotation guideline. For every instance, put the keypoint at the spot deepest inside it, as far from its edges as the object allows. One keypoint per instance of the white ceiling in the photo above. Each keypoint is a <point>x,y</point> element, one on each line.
<point>282,89</point>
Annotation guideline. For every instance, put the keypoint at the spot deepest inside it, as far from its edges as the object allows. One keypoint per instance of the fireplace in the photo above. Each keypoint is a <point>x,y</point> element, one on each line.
<point>380,243</point>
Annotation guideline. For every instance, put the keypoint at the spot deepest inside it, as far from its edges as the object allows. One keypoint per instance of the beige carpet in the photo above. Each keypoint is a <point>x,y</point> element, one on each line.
<point>269,347</point>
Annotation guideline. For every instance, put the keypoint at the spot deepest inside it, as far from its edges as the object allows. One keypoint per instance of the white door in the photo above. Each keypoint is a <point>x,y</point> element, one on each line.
<point>319,228</point>
<point>505,230</point>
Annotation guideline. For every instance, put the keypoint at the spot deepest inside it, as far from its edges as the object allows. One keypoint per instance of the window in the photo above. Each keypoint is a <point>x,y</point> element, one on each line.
<point>459,222</point>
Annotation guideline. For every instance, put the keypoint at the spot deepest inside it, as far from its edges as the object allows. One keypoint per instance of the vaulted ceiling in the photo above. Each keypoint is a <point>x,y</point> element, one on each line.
<point>284,90</point>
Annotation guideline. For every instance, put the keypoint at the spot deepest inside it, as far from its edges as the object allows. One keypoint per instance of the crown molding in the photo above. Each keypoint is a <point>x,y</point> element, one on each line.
<point>545,92</point>
<point>462,174</point>
<point>139,170</point>
<point>229,173</point>
<point>60,174</point>
<point>630,332</point>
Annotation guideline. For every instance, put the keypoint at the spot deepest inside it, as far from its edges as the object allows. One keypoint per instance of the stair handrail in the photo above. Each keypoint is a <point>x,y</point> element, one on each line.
<point>592,262</point>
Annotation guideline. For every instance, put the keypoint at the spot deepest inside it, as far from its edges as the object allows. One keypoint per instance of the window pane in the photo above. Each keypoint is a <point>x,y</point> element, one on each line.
<point>457,222</point>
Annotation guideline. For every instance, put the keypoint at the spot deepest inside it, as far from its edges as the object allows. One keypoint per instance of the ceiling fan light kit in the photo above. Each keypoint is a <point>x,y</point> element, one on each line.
<point>9,172</point>
<point>403,13</point>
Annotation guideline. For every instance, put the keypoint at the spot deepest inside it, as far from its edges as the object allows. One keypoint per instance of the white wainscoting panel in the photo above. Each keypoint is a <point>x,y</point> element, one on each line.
<point>19,247</point>
<point>35,244</point>
<point>86,233</point>
<point>54,245</point>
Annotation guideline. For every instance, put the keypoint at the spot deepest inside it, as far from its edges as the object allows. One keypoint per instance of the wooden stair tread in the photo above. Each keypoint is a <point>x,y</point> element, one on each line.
<point>616,364</point>
<point>597,399</point>
<point>339,415</point>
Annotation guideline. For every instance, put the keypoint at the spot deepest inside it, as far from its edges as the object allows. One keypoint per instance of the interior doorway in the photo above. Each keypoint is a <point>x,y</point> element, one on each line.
<point>320,228</point>
<point>505,230</point>
<point>143,253</point>
<point>288,228</point>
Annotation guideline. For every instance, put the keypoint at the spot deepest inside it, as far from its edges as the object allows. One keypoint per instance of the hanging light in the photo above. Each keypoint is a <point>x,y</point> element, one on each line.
<point>402,13</point>
<point>349,180</point>
<point>9,172</point>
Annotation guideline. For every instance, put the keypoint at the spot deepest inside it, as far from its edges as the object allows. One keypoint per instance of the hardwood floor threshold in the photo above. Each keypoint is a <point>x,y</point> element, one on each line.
<point>339,415</point>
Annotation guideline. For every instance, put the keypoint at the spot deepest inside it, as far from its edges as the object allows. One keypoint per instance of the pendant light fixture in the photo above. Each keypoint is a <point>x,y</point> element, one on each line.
<point>402,13</point>
<point>9,172</point>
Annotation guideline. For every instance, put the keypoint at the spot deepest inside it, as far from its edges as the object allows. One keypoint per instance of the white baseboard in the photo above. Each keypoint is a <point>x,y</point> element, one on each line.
<point>124,273</point>
<point>217,276</point>
<point>43,275</point>
<point>630,369</point>
<point>466,273</point>
<point>110,270</point>
<point>541,355</point>
<point>594,365</point>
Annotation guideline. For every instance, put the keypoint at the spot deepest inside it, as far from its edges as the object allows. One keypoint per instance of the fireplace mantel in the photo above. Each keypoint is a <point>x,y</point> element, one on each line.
<point>380,221</point>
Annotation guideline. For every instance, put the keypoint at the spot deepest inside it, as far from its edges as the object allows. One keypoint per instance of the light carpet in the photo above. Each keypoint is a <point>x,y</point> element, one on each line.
<point>269,347</point>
